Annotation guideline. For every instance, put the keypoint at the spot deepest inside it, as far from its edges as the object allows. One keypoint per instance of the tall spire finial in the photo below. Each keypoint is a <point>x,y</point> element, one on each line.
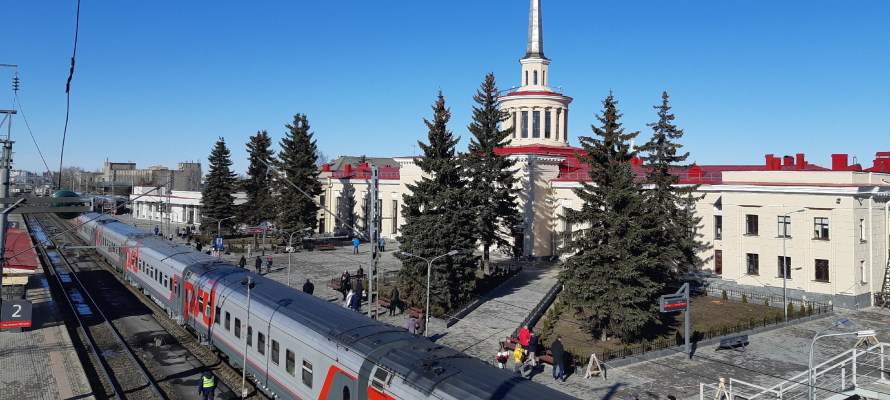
<point>535,31</point>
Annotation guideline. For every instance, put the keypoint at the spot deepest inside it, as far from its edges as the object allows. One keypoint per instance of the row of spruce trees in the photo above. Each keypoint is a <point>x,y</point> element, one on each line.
<point>268,199</point>
<point>633,234</point>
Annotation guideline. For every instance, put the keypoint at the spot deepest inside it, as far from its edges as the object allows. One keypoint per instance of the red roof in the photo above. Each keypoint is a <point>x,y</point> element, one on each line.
<point>18,242</point>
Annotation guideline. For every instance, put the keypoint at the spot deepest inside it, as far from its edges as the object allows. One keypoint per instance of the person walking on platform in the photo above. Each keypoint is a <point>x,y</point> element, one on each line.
<point>393,300</point>
<point>269,265</point>
<point>411,326</point>
<point>382,244</point>
<point>258,264</point>
<point>523,336</point>
<point>156,231</point>
<point>519,360</point>
<point>207,385</point>
<point>344,283</point>
<point>348,302</point>
<point>421,326</point>
<point>533,349</point>
<point>356,303</point>
<point>558,360</point>
<point>308,287</point>
<point>242,262</point>
<point>354,245</point>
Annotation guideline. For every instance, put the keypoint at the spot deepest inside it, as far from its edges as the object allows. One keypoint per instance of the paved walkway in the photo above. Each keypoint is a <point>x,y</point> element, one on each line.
<point>479,333</point>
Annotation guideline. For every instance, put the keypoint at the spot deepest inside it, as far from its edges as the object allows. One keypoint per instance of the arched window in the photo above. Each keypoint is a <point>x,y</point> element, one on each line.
<point>526,78</point>
<point>536,77</point>
<point>346,393</point>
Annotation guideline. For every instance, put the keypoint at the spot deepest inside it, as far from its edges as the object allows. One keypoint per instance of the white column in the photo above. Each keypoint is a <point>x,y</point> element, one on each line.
<point>528,123</point>
<point>553,134</point>
<point>565,122</point>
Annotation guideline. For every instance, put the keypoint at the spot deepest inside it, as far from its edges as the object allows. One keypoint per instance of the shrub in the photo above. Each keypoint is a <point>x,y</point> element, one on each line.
<point>607,355</point>
<point>645,345</point>
<point>778,316</point>
<point>766,302</point>
<point>751,322</point>
<point>704,291</point>
<point>790,309</point>
<point>766,318</point>
<point>744,298</point>
<point>810,309</point>
<point>678,338</point>
<point>802,312</point>
<point>725,296</point>
<point>711,331</point>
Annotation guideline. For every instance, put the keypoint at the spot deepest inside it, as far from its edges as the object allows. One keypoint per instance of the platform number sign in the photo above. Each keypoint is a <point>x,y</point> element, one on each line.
<point>218,243</point>
<point>15,314</point>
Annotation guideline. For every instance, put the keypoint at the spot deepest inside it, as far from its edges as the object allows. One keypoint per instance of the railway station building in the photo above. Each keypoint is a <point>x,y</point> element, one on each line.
<point>831,224</point>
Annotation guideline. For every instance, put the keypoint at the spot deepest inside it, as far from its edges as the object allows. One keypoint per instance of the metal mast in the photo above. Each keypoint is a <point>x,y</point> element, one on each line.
<point>374,238</point>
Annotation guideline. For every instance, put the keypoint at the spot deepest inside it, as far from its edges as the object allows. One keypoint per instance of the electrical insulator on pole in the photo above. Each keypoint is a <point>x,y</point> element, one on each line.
<point>15,84</point>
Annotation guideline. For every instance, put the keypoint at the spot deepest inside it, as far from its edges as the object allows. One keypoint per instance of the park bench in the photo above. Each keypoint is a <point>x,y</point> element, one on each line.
<point>384,302</point>
<point>732,341</point>
<point>415,312</point>
<point>334,285</point>
<point>326,246</point>
<point>510,343</point>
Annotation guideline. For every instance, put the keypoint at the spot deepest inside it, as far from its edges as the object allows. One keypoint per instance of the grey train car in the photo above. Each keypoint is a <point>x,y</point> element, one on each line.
<point>298,346</point>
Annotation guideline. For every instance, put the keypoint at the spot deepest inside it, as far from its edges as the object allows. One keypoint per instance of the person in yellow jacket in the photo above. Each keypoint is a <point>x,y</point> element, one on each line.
<point>207,385</point>
<point>519,360</point>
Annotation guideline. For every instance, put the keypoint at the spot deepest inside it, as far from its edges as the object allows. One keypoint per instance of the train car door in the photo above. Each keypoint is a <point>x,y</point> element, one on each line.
<point>342,387</point>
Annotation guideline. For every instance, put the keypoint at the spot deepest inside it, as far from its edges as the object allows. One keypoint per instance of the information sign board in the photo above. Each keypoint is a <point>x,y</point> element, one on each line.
<point>15,314</point>
<point>218,243</point>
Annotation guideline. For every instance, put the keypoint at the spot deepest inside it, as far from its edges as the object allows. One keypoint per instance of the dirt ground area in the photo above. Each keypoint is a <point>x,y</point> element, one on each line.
<point>706,313</point>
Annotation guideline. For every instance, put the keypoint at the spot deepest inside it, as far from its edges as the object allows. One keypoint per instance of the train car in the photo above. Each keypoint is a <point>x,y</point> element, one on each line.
<point>298,346</point>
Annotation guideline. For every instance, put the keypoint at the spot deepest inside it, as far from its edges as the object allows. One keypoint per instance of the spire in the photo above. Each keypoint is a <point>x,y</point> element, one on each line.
<point>535,31</point>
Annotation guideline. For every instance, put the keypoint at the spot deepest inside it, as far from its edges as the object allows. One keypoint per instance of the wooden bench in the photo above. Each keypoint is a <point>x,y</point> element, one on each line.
<point>732,342</point>
<point>509,345</point>
<point>415,312</point>
<point>335,286</point>
<point>324,247</point>
<point>384,302</point>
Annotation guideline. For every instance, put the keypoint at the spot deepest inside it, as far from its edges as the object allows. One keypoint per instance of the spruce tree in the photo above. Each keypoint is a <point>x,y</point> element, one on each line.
<point>677,249</point>
<point>258,185</point>
<point>217,201</point>
<point>611,280</point>
<point>490,177</point>
<point>436,214</point>
<point>296,161</point>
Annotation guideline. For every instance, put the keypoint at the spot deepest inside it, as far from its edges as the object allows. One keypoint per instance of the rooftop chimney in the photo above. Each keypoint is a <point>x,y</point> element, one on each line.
<point>788,161</point>
<point>348,168</point>
<point>326,167</point>
<point>838,162</point>
<point>800,161</point>
<point>769,162</point>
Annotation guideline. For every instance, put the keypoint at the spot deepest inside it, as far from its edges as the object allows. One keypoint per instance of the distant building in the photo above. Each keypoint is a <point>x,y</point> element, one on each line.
<point>150,202</point>
<point>123,176</point>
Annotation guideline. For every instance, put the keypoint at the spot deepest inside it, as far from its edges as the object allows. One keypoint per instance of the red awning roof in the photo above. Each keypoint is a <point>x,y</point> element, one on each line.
<point>17,242</point>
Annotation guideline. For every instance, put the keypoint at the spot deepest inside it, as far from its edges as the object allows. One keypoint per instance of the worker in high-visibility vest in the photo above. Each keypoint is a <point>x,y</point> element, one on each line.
<point>207,385</point>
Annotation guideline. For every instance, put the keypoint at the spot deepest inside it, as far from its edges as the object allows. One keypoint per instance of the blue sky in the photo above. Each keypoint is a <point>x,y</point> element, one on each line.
<point>157,82</point>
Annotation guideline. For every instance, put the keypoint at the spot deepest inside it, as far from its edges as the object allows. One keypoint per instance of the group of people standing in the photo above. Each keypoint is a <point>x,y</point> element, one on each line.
<point>525,356</point>
<point>258,264</point>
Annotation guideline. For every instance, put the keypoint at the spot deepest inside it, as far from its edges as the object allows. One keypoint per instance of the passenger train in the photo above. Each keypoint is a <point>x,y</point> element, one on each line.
<point>298,346</point>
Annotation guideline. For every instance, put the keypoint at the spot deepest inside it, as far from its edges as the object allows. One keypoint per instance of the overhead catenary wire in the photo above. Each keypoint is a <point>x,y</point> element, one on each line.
<point>22,111</point>
<point>68,94</point>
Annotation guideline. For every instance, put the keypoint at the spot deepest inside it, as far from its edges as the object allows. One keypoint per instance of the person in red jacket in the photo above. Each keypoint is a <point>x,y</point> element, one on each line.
<point>523,336</point>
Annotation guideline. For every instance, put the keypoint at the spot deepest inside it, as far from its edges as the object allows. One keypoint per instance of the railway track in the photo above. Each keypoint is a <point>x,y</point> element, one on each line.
<point>179,335</point>
<point>122,373</point>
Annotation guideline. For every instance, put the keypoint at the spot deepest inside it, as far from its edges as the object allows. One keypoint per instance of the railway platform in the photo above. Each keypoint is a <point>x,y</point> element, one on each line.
<point>39,362</point>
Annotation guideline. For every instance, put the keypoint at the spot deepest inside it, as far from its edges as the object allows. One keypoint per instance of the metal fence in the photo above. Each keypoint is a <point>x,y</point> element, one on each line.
<point>540,309</point>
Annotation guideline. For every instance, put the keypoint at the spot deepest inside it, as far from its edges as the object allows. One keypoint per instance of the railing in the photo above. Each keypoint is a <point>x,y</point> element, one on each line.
<point>363,175</point>
<point>557,89</point>
<point>844,372</point>
<point>685,177</point>
<point>819,307</point>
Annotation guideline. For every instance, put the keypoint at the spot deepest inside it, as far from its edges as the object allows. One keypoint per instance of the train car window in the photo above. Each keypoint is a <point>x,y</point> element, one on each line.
<point>380,377</point>
<point>261,343</point>
<point>290,362</point>
<point>238,328</point>
<point>346,395</point>
<point>249,336</point>
<point>228,321</point>
<point>307,373</point>
<point>201,304</point>
<point>218,311</point>
<point>165,281</point>
<point>275,351</point>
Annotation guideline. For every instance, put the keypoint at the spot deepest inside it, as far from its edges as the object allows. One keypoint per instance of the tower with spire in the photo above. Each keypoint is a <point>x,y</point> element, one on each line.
<point>538,112</point>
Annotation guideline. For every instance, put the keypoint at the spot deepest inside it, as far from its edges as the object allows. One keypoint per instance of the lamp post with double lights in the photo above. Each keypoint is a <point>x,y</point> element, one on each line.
<point>842,323</point>
<point>429,268</point>
<point>785,269</point>
<point>250,285</point>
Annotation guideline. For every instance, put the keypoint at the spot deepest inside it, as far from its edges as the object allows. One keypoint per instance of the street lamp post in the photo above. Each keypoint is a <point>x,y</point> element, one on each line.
<point>429,269</point>
<point>250,285</point>
<point>219,226</point>
<point>785,262</point>
<point>290,250</point>
<point>844,323</point>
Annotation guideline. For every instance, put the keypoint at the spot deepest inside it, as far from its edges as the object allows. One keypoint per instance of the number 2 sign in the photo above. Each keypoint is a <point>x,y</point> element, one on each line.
<point>15,314</point>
